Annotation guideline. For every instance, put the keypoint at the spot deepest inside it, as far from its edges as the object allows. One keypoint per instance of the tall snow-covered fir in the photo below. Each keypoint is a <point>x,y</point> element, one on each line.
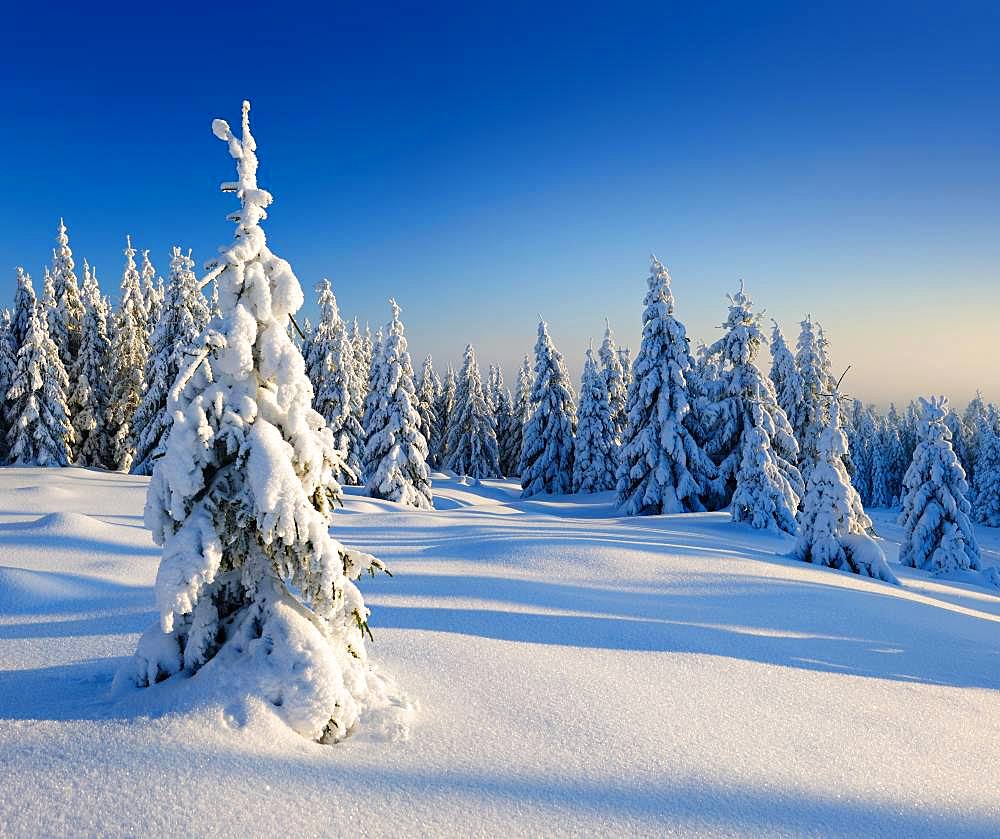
<point>663,468</point>
<point>8,366</point>
<point>129,352</point>
<point>785,377</point>
<point>65,323</point>
<point>811,416</point>
<point>330,365</point>
<point>445,409</point>
<point>523,408</point>
<point>614,381</point>
<point>937,532</point>
<point>833,526</point>
<point>428,387</point>
<point>184,315</point>
<point>24,307</point>
<point>744,413</point>
<point>91,379</point>
<point>596,445</point>
<point>547,450</point>
<point>987,475</point>
<point>395,456</point>
<point>472,437</point>
<point>38,428</point>
<point>242,504</point>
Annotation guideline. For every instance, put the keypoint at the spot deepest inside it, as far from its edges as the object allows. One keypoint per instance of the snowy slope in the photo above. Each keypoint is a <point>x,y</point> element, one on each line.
<point>576,673</point>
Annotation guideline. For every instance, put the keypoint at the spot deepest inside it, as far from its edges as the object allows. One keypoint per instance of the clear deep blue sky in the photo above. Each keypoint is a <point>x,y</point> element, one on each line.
<point>486,163</point>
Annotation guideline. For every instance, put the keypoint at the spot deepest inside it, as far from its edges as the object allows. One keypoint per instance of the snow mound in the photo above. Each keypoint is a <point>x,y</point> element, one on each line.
<point>27,592</point>
<point>68,524</point>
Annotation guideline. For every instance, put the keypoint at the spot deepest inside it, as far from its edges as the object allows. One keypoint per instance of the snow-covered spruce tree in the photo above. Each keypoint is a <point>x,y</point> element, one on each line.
<point>8,366</point>
<point>811,417</point>
<point>251,580</point>
<point>547,449</point>
<point>65,322</point>
<point>625,357</point>
<point>129,351</point>
<point>882,453</point>
<point>395,457</point>
<point>39,432</point>
<point>663,469</point>
<point>833,526</point>
<point>785,377</point>
<point>330,366</point>
<point>735,396</point>
<point>825,362</point>
<point>520,416</point>
<point>427,391</point>
<point>937,533</point>
<point>960,443</point>
<point>152,292</point>
<point>24,307</point>
<point>596,448</point>
<point>472,436</point>
<point>764,497</point>
<point>861,444</point>
<point>508,436</point>
<point>987,477</point>
<point>184,314</point>
<point>614,382</point>
<point>88,398</point>
<point>445,409</point>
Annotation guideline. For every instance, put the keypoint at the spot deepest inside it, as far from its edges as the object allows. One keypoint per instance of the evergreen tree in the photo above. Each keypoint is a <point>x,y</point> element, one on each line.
<point>741,405</point>
<point>862,452</point>
<point>785,377</point>
<point>764,495</point>
<point>987,476</point>
<point>882,455</point>
<point>472,437</point>
<point>395,458</point>
<point>833,526</point>
<point>828,379</point>
<point>811,417</point>
<point>331,367</point>
<point>625,357</point>
<point>663,469</point>
<point>66,319</point>
<point>152,293</point>
<point>614,382</point>
<point>595,447</point>
<point>89,396</point>
<point>444,409</point>
<point>547,450</point>
<point>508,437</point>
<point>523,409</point>
<point>24,308</point>
<point>937,533</point>
<point>250,576</point>
<point>39,432</point>
<point>129,351</point>
<point>427,392</point>
<point>8,367</point>
<point>183,316</point>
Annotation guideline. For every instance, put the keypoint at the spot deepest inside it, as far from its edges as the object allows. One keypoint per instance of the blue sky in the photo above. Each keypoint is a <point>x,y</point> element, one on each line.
<point>485,163</point>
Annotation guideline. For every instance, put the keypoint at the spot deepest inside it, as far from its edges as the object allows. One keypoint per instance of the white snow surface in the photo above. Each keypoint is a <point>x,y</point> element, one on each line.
<point>576,672</point>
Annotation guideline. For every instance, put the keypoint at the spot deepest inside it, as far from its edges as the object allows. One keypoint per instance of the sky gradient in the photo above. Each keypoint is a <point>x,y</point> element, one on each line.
<point>486,165</point>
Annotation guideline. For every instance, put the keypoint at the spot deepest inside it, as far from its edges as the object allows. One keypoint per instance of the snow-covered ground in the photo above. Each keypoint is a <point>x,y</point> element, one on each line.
<point>576,673</point>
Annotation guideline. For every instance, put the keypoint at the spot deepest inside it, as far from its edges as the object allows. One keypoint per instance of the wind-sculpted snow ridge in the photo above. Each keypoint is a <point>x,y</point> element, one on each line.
<point>579,673</point>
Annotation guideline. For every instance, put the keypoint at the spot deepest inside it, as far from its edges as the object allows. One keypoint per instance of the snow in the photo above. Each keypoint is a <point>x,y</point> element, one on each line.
<point>576,672</point>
